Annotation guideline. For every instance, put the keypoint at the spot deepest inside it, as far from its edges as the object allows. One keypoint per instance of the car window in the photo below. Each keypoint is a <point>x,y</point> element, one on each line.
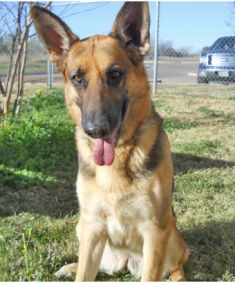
<point>227,43</point>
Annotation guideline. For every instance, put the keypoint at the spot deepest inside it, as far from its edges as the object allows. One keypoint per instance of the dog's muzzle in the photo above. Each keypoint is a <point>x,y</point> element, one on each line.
<point>104,142</point>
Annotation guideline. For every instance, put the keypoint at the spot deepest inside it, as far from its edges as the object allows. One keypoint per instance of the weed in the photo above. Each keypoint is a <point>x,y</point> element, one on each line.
<point>172,124</point>
<point>25,249</point>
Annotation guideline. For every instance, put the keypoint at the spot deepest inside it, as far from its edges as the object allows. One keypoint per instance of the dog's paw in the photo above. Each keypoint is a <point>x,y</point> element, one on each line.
<point>66,270</point>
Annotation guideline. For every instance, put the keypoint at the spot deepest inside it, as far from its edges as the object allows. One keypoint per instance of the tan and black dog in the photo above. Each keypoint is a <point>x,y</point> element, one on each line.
<point>125,176</point>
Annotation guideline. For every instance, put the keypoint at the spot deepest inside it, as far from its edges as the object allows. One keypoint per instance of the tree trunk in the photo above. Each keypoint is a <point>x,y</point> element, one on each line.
<point>20,91</point>
<point>2,90</point>
<point>17,61</point>
<point>15,65</point>
<point>5,105</point>
<point>2,87</point>
<point>11,59</point>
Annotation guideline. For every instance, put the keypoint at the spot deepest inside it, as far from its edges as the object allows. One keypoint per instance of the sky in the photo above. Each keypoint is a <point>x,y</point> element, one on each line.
<point>196,24</point>
<point>185,24</point>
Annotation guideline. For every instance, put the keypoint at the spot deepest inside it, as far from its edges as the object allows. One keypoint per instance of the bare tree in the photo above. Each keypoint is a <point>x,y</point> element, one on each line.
<point>15,21</point>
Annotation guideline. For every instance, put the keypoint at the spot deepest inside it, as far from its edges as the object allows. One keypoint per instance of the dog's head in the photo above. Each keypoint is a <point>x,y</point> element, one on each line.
<point>104,75</point>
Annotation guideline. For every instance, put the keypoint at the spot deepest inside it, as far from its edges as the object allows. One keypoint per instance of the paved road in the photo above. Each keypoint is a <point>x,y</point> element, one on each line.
<point>168,72</point>
<point>175,72</point>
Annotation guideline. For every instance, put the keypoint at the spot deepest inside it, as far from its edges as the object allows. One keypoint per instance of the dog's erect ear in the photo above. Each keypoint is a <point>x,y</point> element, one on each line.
<point>54,33</point>
<point>131,26</point>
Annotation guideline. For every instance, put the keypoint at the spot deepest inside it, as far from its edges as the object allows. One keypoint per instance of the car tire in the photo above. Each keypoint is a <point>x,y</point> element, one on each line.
<point>202,80</point>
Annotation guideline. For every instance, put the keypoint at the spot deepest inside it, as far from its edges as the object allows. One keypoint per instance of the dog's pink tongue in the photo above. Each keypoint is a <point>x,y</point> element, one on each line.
<point>103,152</point>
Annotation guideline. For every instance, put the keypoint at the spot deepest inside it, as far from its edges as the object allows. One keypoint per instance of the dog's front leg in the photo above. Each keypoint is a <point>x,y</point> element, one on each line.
<point>91,247</point>
<point>154,251</point>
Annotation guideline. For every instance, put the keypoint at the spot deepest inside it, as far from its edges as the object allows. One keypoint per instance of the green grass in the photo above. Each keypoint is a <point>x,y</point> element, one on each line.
<point>38,164</point>
<point>39,66</point>
<point>200,147</point>
<point>38,157</point>
<point>172,124</point>
<point>32,66</point>
<point>215,113</point>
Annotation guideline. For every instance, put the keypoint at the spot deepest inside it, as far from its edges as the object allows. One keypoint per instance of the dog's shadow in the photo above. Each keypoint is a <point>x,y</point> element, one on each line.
<point>184,163</point>
<point>212,252</point>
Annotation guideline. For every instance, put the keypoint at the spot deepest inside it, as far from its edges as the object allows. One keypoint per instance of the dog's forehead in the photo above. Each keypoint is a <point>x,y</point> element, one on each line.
<point>104,50</point>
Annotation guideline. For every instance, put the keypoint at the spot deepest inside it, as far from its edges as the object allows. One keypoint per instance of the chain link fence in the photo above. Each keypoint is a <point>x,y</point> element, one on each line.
<point>194,42</point>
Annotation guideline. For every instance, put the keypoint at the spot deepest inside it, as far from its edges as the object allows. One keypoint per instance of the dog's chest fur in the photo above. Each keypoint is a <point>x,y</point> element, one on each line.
<point>125,219</point>
<point>123,210</point>
<point>122,199</point>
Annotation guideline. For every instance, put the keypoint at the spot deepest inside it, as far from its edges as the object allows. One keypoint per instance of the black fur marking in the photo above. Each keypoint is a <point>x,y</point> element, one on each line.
<point>84,168</point>
<point>173,186</point>
<point>172,191</point>
<point>124,106</point>
<point>86,38</point>
<point>155,154</point>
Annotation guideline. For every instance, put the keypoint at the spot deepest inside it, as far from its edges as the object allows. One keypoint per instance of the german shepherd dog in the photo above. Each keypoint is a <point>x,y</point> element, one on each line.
<point>125,175</point>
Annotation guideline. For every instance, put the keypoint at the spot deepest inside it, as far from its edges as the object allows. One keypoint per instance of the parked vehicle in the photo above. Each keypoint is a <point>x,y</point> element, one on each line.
<point>217,63</point>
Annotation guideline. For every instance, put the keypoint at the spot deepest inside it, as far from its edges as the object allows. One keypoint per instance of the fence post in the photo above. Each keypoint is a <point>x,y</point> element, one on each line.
<point>50,70</point>
<point>52,75</point>
<point>156,43</point>
<point>49,73</point>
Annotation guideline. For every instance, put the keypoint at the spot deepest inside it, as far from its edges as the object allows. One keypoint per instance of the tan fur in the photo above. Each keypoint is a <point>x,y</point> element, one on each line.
<point>126,217</point>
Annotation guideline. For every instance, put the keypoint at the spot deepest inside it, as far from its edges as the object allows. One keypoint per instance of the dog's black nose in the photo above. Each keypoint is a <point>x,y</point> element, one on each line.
<point>97,130</point>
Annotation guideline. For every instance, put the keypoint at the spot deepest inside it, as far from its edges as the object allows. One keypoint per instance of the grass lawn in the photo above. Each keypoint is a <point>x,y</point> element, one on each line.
<point>32,66</point>
<point>38,163</point>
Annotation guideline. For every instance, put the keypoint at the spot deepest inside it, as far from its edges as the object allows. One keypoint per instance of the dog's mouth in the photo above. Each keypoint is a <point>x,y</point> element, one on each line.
<point>104,149</point>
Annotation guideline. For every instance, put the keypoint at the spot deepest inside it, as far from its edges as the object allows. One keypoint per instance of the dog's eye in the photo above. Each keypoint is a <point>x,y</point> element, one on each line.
<point>114,77</point>
<point>78,77</point>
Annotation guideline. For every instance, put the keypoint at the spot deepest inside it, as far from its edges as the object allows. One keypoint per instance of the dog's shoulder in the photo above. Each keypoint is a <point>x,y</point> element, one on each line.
<point>151,144</point>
